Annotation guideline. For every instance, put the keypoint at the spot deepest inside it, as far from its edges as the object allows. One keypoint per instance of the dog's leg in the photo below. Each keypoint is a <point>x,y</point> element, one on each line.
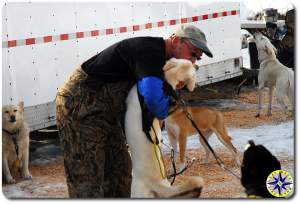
<point>290,92</point>
<point>5,169</point>
<point>271,91</point>
<point>173,142</point>
<point>25,160</point>
<point>206,134</point>
<point>226,141</point>
<point>182,148</point>
<point>291,97</point>
<point>260,99</point>
<point>280,94</point>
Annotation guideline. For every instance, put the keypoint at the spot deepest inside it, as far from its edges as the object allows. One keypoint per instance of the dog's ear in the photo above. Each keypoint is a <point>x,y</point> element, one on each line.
<point>275,50</point>
<point>21,105</point>
<point>169,65</point>
<point>268,51</point>
<point>191,83</point>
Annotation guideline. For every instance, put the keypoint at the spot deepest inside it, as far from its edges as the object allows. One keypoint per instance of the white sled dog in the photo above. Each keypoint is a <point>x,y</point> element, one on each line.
<point>15,142</point>
<point>147,173</point>
<point>272,74</point>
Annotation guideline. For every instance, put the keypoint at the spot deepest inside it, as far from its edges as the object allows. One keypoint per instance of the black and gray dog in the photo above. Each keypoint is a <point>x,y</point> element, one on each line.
<point>258,163</point>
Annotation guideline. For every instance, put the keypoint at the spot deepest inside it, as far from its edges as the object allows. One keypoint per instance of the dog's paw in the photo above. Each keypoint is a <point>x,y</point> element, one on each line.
<point>11,181</point>
<point>28,176</point>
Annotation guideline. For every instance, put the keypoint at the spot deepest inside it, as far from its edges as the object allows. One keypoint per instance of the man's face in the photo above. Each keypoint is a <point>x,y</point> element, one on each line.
<point>183,49</point>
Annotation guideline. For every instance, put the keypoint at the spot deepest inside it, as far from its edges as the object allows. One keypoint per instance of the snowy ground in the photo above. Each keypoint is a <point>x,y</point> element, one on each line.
<point>277,138</point>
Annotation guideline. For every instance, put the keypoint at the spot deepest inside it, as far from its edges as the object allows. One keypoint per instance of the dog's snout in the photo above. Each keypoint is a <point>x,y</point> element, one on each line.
<point>196,67</point>
<point>12,118</point>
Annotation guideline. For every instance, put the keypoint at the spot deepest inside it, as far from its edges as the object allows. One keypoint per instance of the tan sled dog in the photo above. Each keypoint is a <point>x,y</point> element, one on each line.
<point>208,120</point>
<point>272,74</point>
<point>15,142</point>
<point>148,179</point>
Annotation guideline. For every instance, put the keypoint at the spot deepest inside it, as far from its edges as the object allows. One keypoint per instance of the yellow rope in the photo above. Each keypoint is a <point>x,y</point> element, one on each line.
<point>160,160</point>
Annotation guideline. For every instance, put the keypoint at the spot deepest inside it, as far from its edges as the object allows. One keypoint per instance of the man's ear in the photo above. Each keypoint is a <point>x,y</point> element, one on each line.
<point>175,40</point>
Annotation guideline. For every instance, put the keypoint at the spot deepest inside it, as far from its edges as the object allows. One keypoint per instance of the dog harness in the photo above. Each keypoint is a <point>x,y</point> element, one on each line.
<point>148,116</point>
<point>147,121</point>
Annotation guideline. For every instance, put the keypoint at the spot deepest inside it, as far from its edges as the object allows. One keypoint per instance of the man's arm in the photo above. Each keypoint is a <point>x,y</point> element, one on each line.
<point>151,88</point>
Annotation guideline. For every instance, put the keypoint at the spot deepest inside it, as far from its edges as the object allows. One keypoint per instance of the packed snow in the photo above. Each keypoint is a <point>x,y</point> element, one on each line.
<point>277,138</point>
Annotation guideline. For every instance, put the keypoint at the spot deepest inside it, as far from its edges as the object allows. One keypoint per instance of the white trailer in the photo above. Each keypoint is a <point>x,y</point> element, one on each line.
<point>42,43</point>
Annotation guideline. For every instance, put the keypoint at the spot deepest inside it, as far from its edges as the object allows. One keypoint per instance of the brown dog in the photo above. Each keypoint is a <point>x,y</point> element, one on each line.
<point>208,120</point>
<point>15,142</point>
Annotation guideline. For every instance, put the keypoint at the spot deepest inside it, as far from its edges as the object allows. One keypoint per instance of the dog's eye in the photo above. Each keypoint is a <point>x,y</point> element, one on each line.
<point>7,112</point>
<point>15,110</point>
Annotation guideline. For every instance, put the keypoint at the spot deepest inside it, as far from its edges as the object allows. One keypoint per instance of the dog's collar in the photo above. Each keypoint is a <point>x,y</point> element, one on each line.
<point>253,196</point>
<point>11,133</point>
<point>265,61</point>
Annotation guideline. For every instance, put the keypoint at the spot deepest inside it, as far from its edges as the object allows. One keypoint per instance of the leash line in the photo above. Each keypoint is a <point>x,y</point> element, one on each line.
<point>172,152</point>
<point>219,161</point>
<point>174,167</point>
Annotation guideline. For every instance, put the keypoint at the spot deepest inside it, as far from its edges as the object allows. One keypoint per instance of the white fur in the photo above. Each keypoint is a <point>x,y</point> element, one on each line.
<point>147,167</point>
<point>273,74</point>
<point>147,181</point>
<point>177,70</point>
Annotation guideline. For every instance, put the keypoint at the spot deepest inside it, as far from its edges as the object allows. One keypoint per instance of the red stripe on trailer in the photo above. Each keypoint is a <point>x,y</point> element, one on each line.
<point>123,29</point>
<point>12,43</point>
<point>30,41</point>
<point>64,37</point>
<point>148,25</point>
<point>160,24</point>
<point>47,38</point>
<point>109,31</point>
<point>79,34</point>
<point>135,27</point>
<point>94,32</point>
<point>172,22</point>
<point>195,18</point>
<point>183,20</point>
<point>204,17</point>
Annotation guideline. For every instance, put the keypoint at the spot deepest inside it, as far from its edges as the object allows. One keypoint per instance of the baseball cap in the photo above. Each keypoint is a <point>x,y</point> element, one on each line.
<point>195,36</point>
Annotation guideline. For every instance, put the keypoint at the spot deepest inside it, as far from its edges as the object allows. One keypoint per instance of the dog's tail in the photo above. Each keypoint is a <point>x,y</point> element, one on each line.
<point>191,188</point>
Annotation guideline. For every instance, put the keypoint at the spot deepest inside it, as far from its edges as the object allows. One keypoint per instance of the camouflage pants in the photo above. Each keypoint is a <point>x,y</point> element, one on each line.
<point>96,159</point>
